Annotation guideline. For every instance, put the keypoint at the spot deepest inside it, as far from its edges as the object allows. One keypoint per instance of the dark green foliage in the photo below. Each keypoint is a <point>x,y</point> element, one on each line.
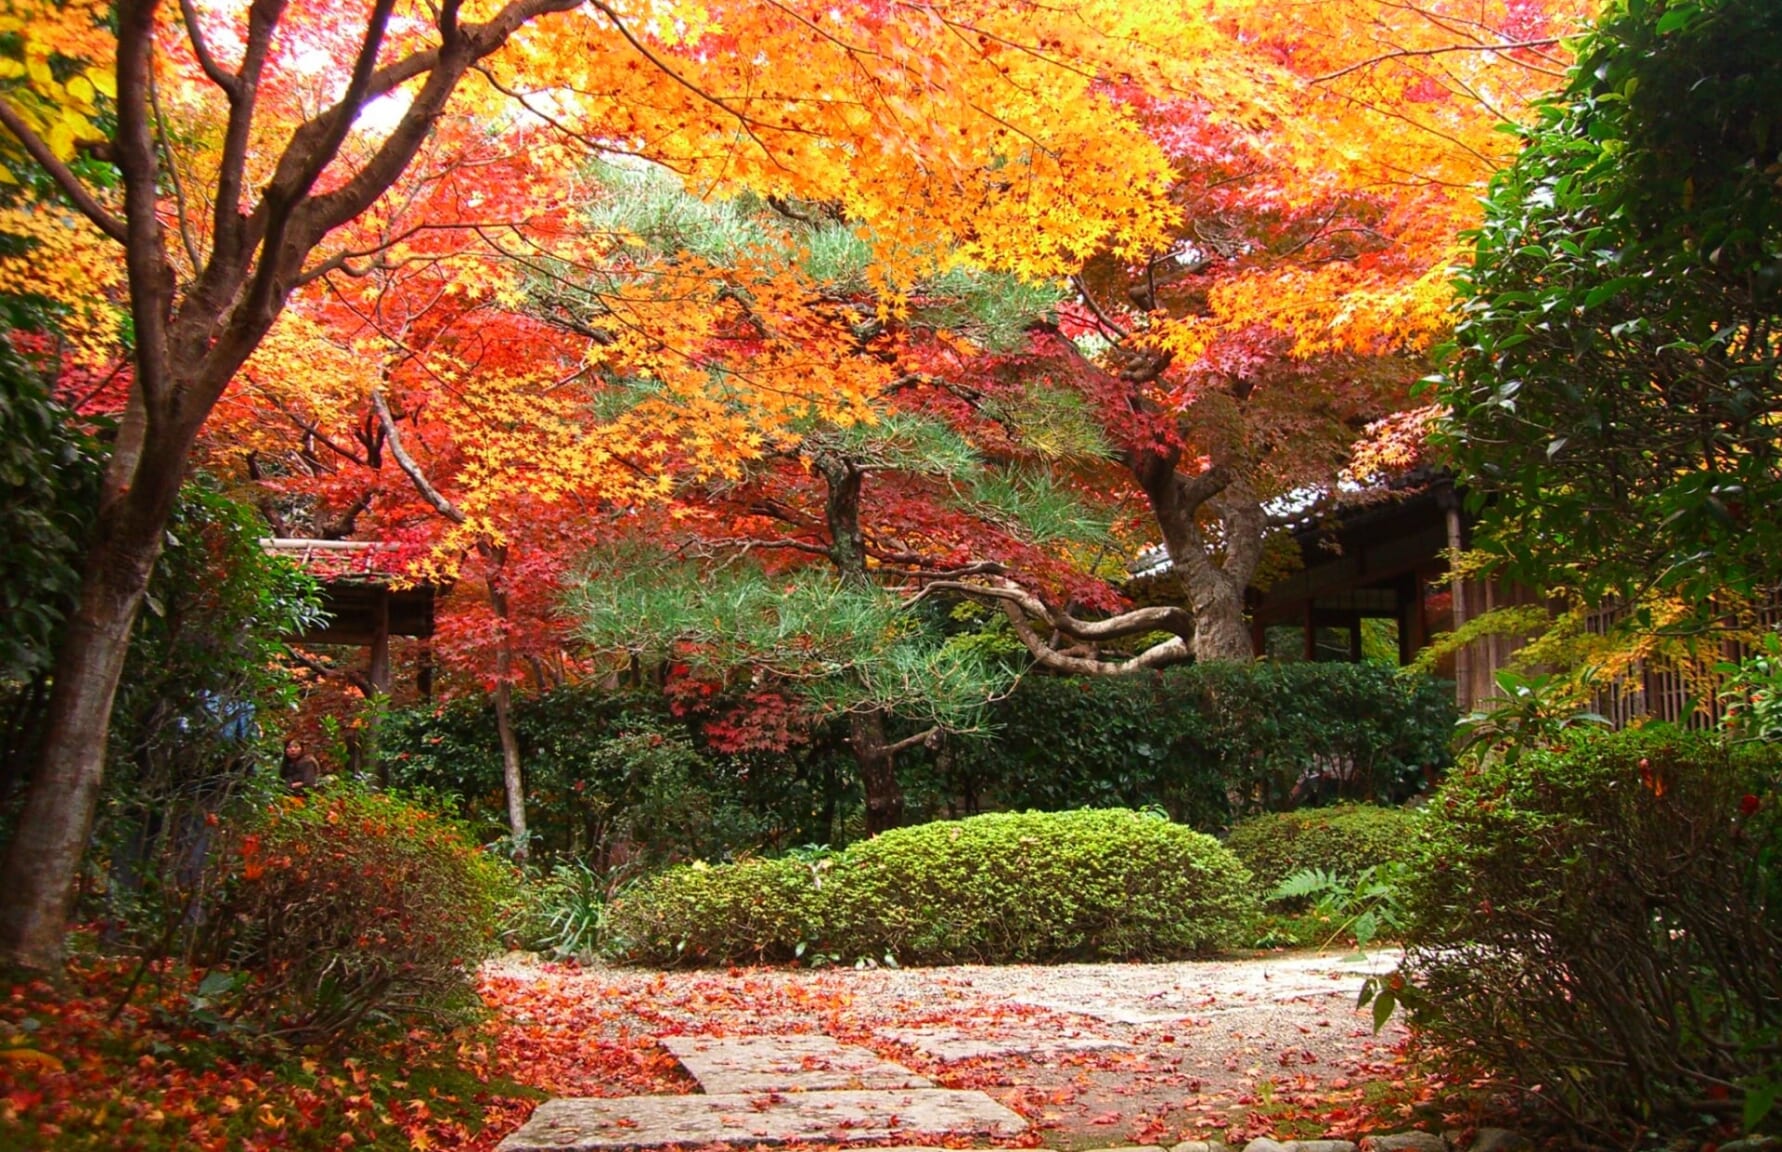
<point>196,712</point>
<point>344,906</point>
<point>49,482</point>
<point>1206,742</point>
<point>1605,920</point>
<point>617,776</point>
<point>1004,888</point>
<point>1340,841</point>
<point>1613,380</point>
<point>613,777</point>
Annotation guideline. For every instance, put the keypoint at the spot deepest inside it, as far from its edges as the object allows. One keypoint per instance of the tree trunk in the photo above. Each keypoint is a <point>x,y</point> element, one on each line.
<point>37,885</point>
<point>873,754</point>
<point>1219,629</point>
<point>1213,584</point>
<point>512,782</point>
<point>878,771</point>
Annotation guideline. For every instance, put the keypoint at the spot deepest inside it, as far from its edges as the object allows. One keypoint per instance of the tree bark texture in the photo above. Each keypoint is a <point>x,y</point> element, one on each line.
<point>1213,584</point>
<point>873,755</point>
<point>878,771</point>
<point>512,781</point>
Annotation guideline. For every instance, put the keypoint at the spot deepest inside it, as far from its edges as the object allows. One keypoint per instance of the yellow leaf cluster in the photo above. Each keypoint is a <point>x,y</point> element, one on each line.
<point>69,263</point>
<point>57,65</point>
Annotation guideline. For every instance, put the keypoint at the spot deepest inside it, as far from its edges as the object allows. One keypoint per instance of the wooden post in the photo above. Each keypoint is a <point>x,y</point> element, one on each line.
<point>1463,662</point>
<point>424,670</point>
<point>379,673</point>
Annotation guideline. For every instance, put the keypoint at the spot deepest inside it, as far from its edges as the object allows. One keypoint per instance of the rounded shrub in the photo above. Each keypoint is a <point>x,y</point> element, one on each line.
<point>752,910</point>
<point>1605,919</point>
<point>347,905</point>
<point>1342,840</point>
<point>1096,884</point>
<point>1002,888</point>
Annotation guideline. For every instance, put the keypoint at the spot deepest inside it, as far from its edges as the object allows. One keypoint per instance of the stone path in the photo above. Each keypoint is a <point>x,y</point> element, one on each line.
<point>786,1089</point>
<point>796,1063</point>
<point>1073,1056</point>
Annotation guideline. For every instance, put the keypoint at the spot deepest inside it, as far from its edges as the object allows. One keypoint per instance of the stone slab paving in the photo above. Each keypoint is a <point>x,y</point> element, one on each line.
<point>613,1124</point>
<point>950,1045</point>
<point>791,1063</point>
<point>1159,994</point>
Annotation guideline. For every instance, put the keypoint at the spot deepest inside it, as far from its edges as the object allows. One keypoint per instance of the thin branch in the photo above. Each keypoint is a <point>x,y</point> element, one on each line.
<point>356,679</point>
<point>228,82</point>
<point>179,185</point>
<point>393,440</point>
<point>1545,42</point>
<point>928,738</point>
<point>65,179</point>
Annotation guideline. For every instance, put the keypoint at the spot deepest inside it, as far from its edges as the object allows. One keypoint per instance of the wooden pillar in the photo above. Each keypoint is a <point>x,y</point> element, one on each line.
<point>424,670</point>
<point>1311,627</point>
<point>1463,661</point>
<point>379,673</point>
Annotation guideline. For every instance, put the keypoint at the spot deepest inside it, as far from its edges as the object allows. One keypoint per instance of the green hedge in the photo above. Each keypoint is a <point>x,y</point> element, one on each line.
<point>1206,742</point>
<point>1605,920</point>
<point>1342,840</point>
<point>1203,743</point>
<point>1004,888</point>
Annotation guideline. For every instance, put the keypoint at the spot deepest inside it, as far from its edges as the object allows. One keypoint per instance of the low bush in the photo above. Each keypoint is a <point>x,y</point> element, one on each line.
<point>1001,888</point>
<point>1037,887</point>
<point>1340,841</point>
<point>344,906</point>
<point>752,910</point>
<point>1603,919</point>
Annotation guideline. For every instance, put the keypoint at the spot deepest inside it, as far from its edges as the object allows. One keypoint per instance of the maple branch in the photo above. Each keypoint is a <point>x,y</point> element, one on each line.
<point>263,18</point>
<point>312,148</point>
<point>393,439</point>
<point>743,119</point>
<point>179,185</point>
<point>313,431</point>
<point>64,177</point>
<point>357,679</point>
<point>230,84</point>
<point>1402,53</point>
<point>151,277</point>
<point>1100,316</point>
<point>339,262</point>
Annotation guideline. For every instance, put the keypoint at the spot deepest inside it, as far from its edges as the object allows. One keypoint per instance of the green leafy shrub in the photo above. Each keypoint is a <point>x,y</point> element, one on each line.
<point>565,912</point>
<point>1204,742</point>
<point>1036,887</point>
<point>349,905</point>
<point>1341,841</point>
<point>1605,920</point>
<point>1362,907</point>
<point>1001,888</point>
<point>614,776</point>
<point>752,910</point>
